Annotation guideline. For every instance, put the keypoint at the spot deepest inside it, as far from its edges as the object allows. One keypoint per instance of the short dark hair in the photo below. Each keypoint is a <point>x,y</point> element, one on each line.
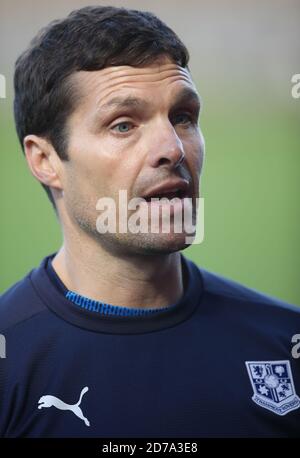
<point>90,38</point>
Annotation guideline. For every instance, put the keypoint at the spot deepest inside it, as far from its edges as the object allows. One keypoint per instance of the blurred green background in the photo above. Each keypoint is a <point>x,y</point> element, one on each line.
<point>250,179</point>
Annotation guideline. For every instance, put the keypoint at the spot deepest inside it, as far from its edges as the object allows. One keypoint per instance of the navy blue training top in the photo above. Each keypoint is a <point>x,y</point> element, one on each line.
<point>218,363</point>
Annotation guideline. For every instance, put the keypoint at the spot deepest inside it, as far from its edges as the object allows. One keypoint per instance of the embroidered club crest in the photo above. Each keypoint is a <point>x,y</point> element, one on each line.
<point>273,386</point>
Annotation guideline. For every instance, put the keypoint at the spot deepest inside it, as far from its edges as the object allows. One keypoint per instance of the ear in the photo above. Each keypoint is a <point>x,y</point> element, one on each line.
<point>43,161</point>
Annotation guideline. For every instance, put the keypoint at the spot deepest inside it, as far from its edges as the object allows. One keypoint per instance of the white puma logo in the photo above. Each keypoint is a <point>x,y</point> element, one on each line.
<point>49,401</point>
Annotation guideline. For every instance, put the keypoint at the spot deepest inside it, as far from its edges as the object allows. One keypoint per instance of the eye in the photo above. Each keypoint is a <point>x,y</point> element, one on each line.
<point>182,118</point>
<point>123,127</point>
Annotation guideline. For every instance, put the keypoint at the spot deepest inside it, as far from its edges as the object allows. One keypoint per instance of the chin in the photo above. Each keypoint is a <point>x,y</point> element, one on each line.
<point>148,244</point>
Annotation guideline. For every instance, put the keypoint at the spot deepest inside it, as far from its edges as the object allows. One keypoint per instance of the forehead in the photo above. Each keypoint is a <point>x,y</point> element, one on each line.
<point>98,88</point>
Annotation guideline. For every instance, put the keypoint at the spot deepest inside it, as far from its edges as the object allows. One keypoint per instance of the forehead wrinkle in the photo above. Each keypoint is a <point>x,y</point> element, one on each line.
<point>130,84</point>
<point>147,77</point>
<point>134,72</point>
<point>186,93</point>
<point>148,72</point>
<point>113,73</point>
<point>154,68</point>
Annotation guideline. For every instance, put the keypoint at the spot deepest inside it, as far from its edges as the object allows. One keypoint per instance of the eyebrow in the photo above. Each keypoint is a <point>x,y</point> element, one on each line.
<point>121,102</point>
<point>186,95</point>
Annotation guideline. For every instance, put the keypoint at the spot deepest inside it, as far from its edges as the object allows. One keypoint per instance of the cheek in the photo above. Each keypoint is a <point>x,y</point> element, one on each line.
<point>195,155</point>
<point>96,177</point>
<point>83,183</point>
<point>89,173</point>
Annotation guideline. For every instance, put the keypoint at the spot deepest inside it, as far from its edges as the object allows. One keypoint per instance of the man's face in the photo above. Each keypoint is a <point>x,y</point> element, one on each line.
<point>134,129</point>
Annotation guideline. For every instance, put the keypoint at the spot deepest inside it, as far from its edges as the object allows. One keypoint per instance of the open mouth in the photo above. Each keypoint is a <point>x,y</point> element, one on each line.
<point>179,194</point>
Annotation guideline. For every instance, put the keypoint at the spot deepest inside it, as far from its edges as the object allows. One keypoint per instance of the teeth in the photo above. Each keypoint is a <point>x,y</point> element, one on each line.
<point>168,195</point>
<point>179,193</point>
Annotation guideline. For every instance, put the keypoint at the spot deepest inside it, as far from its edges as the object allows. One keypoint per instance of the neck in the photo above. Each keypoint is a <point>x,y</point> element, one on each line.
<point>137,281</point>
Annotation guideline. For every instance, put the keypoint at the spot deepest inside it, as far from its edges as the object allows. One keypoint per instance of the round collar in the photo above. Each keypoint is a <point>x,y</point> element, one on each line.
<point>54,299</point>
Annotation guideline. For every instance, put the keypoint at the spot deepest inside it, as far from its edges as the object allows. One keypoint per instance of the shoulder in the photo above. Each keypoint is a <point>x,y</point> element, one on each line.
<point>232,297</point>
<point>218,285</point>
<point>19,303</point>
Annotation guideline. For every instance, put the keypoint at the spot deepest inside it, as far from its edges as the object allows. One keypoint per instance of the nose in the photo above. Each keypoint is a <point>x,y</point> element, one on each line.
<point>166,148</point>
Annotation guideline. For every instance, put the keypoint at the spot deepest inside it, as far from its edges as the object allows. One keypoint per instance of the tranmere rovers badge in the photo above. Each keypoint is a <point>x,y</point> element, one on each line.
<point>273,385</point>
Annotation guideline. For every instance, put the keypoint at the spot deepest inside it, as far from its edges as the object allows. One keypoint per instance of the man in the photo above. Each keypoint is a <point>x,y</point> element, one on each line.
<point>118,334</point>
